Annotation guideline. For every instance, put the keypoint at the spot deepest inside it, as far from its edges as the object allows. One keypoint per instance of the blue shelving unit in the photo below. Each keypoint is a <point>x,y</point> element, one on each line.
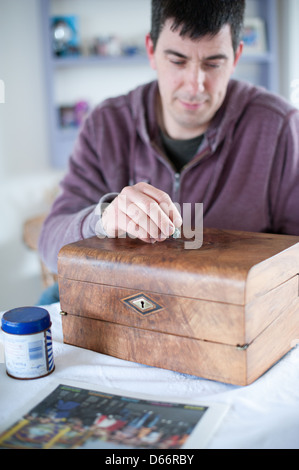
<point>261,69</point>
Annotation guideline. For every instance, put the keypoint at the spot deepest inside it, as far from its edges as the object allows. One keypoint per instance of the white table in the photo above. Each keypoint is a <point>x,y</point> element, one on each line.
<point>264,415</point>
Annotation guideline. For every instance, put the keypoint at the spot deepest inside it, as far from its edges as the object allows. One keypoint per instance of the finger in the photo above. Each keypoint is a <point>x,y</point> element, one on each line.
<point>145,212</point>
<point>158,223</point>
<point>138,216</point>
<point>111,221</point>
<point>173,213</point>
<point>138,229</point>
<point>151,213</point>
<point>164,201</point>
<point>120,218</point>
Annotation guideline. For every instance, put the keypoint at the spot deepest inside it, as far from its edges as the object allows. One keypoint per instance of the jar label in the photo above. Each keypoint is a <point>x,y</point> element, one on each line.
<point>29,356</point>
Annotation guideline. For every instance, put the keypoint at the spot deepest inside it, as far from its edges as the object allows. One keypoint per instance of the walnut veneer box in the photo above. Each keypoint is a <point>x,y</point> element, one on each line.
<point>227,311</point>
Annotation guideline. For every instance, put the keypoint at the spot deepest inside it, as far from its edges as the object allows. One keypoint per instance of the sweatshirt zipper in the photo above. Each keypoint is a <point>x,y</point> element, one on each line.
<point>176,187</point>
<point>178,176</point>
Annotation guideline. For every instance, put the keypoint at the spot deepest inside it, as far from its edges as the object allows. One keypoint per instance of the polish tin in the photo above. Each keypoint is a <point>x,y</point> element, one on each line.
<point>28,343</point>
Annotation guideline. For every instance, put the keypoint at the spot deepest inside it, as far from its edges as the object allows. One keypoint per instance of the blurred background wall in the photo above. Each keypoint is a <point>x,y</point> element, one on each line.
<point>25,175</point>
<point>28,180</point>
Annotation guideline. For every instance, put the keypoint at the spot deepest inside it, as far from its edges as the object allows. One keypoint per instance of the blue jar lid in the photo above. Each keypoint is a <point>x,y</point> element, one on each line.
<point>26,320</point>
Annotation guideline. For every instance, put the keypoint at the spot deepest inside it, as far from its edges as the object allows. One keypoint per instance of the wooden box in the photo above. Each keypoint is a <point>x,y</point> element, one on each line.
<point>227,311</point>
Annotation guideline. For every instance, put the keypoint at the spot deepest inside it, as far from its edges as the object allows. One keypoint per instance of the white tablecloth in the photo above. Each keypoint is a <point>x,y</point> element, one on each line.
<point>264,415</point>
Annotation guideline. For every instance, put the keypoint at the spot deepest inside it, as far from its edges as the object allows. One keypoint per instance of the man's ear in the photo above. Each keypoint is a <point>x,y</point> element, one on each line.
<point>238,53</point>
<point>150,51</point>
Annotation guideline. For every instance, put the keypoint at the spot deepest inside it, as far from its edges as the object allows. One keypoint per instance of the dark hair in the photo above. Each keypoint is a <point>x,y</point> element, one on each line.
<point>198,18</point>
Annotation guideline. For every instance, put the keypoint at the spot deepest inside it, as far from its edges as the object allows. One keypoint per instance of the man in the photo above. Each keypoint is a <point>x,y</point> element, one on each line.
<point>193,136</point>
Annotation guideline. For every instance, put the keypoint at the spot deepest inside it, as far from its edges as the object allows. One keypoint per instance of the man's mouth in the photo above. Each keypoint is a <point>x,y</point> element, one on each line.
<point>192,105</point>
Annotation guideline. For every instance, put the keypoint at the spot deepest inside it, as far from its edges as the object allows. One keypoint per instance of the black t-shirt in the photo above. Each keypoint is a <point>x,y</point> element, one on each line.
<point>180,152</point>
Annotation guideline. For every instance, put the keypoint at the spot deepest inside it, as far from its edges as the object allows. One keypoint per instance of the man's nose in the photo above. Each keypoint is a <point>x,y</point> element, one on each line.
<point>195,80</point>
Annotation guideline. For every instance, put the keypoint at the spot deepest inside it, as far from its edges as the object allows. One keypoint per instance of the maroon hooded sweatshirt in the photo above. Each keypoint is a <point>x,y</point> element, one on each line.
<point>246,170</point>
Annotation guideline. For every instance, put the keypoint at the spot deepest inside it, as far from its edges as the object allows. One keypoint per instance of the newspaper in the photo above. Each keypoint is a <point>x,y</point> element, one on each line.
<point>80,416</point>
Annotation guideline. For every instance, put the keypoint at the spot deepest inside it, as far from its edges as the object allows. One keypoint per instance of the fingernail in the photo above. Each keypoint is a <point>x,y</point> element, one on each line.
<point>171,229</point>
<point>178,222</point>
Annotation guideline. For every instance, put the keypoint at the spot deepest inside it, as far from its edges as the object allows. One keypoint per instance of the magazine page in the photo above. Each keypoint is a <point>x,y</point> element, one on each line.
<point>80,416</point>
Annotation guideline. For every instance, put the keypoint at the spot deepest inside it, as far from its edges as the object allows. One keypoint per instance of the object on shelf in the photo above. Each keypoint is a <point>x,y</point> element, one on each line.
<point>65,35</point>
<point>106,46</point>
<point>113,46</point>
<point>254,36</point>
<point>71,116</point>
<point>134,46</point>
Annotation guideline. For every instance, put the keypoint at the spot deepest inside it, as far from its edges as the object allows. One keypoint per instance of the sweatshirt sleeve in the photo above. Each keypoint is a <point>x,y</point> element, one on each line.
<point>285,181</point>
<point>75,213</point>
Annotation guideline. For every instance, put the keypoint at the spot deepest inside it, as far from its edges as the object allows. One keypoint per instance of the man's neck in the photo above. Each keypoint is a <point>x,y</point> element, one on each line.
<point>173,131</point>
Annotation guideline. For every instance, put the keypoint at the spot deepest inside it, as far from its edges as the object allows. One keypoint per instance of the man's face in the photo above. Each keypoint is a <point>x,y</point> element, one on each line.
<point>193,76</point>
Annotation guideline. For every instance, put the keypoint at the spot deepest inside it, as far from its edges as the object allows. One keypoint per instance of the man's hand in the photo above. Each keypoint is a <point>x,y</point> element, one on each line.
<point>143,212</point>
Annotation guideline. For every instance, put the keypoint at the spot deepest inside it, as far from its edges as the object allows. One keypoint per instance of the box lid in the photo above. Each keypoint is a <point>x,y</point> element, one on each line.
<point>231,267</point>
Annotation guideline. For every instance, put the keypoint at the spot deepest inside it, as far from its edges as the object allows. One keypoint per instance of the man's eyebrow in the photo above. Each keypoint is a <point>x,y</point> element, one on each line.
<point>217,57</point>
<point>183,56</point>
<point>178,54</point>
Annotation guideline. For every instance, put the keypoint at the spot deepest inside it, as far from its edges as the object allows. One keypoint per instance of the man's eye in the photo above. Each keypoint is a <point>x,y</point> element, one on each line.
<point>178,62</point>
<point>211,65</point>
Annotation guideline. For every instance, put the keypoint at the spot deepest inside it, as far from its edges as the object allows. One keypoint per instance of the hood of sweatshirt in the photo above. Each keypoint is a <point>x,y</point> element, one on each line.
<point>239,95</point>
